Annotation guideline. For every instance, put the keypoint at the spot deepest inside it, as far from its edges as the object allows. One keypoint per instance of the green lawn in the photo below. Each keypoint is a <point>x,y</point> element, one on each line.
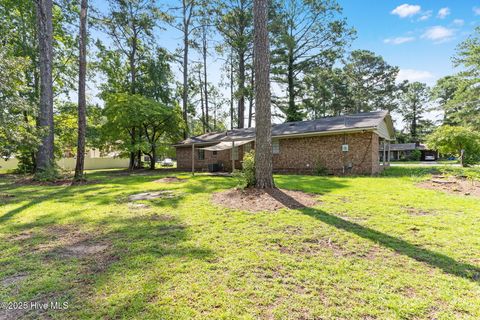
<point>374,247</point>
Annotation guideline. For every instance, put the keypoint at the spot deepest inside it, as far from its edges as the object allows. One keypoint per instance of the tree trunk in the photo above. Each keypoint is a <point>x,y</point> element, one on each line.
<point>201,101</point>
<point>45,156</point>
<point>185,69</point>
<point>250,102</point>
<point>414,123</point>
<point>153,158</point>
<point>82,103</point>
<point>139,152</point>
<point>263,140</point>
<point>205,79</point>
<point>291,110</point>
<point>131,164</point>
<point>231,91</point>
<point>241,90</point>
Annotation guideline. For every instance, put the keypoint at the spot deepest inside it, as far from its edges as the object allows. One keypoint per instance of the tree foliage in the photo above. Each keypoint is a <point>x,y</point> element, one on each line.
<point>310,33</point>
<point>451,140</point>
<point>413,105</point>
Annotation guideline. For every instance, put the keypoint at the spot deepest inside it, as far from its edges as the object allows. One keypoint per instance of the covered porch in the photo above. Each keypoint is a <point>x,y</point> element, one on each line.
<point>223,156</point>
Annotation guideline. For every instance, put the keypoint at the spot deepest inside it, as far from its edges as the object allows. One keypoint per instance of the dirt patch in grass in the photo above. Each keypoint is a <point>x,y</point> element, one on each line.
<point>453,185</point>
<point>254,200</point>
<point>417,212</point>
<point>22,236</point>
<point>13,280</point>
<point>43,304</point>
<point>170,180</point>
<point>69,242</point>
<point>162,217</point>
<point>164,194</point>
<point>133,205</point>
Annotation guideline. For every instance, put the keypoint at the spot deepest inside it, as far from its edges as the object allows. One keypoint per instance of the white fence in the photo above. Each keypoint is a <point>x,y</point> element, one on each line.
<point>69,163</point>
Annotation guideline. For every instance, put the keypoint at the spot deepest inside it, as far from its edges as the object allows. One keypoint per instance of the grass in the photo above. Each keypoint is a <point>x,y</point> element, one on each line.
<point>376,247</point>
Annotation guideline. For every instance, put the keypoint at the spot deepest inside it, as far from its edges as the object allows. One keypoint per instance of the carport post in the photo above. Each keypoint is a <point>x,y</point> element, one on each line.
<point>233,159</point>
<point>384,153</point>
<point>193,159</point>
<point>388,156</point>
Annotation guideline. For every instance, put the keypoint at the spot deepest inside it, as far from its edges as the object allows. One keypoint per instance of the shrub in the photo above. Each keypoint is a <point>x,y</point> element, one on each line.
<point>320,169</point>
<point>51,173</point>
<point>415,155</point>
<point>246,177</point>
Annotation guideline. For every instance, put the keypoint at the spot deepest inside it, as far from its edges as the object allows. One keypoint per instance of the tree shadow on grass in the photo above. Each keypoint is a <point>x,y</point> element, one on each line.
<point>134,250</point>
<point>63,192</point>
<point>406,171</point>
<point>432,258</point>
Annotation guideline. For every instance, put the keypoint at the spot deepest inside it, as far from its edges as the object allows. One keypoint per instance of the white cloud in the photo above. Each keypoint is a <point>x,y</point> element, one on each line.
<point>414,75</point>
<point>438,33</point>
<point>406,10</point>
<point>458,22</point>
<point>476,10</point>
<point>426,15</point>
<point>442,13</point>
<point>398,40</point>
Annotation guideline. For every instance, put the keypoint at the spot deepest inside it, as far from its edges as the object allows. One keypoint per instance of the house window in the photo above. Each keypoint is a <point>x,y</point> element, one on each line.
<point>275,147</point>
<point>201,154</point>
<point>214,153</point>
<point>247,147</point>
<point>235,153</point>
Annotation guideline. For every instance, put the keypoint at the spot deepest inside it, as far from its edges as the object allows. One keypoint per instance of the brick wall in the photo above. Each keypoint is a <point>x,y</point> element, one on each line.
<point>305,155</point>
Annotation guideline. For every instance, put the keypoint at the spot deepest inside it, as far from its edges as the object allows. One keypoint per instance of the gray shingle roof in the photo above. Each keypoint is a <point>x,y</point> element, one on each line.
<point>360,121</point>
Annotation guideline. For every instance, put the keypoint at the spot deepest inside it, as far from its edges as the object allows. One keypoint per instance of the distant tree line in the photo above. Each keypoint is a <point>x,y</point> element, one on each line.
<point>46,58</point>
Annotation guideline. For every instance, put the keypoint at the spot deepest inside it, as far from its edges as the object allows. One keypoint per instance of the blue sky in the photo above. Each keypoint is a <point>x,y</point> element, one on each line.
<point>419,36</point>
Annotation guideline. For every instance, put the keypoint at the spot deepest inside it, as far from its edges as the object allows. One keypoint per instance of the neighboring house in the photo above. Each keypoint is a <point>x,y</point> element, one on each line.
<point>403,151</point>
<point>339,145</point>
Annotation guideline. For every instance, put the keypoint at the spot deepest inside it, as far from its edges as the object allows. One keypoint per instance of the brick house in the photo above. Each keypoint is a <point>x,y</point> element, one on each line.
<point>340,145</point>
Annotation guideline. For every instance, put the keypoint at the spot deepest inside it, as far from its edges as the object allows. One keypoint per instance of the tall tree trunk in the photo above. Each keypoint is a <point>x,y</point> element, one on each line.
<point>139,152</point>
<point>133,80</point>
<point>205,79</point>
<point>82,103</point>
<point>185,84</point>
<point>153,158</point>
<point>250,99</point>
<point>231,91</point>
<point>187,14</point>
<point>263,118</point>
<point>201,101</point>
<point>241,89</point>
<point>414,123</point>
<point>131,164</point>
<point>291,110</point>
<point>45,156</point>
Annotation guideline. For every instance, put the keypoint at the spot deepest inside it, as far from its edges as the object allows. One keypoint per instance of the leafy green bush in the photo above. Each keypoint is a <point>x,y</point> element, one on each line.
<point>51,173</point>
<point>320,169</point>
<point>25,164</point>
<point>415,155</point>
<point>246,177</point>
